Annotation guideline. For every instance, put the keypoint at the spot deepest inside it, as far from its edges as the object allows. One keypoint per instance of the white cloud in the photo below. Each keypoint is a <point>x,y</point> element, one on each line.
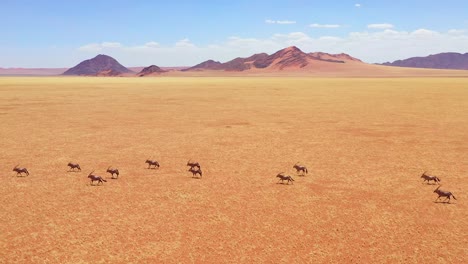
<point>285,22</point>
<point>330,38</point>
<point>324,25</point>
<point>424,33</point>
<point>357,5</point>
<point>184,43</point>
<point>373,46</point>
<point>281,22</point>
<point>380,26</point>
<point>152,44</point>
<point>95,47</point>
<point>457,31</point>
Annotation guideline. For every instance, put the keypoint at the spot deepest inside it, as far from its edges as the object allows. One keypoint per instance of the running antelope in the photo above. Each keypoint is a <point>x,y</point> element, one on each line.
<point>429,178</point>
<point>152,163</point>
<point>112,171</point>
<point>300,168</point>
<point>97,178</point>
<point>19,171</point>
<point>283,177</point>
<point>74,166</point>
<point>443,194</point>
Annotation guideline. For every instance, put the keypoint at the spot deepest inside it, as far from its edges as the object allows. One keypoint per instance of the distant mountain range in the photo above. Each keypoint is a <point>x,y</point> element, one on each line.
<point>447,60</point>
<point>288,58</point>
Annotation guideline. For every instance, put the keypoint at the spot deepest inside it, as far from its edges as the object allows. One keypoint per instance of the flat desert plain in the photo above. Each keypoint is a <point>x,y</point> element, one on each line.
<point>365,141</point>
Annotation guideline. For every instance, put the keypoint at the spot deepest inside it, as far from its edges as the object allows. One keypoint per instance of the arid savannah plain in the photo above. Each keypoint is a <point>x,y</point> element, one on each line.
<point>365,141</point>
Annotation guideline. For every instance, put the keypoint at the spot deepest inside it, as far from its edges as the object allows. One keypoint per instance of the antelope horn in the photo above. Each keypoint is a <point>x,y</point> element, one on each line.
<point>90,173</point>
<point>16,166</point>
<point>109,167</point>
<point>437,188</point>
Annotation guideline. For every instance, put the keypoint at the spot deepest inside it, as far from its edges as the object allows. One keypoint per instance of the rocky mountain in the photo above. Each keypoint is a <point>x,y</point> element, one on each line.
<point>151,70</point>
<point>101,65</point>
<point>288,58</point>
<point>206,65</point>
<point>447,60</point>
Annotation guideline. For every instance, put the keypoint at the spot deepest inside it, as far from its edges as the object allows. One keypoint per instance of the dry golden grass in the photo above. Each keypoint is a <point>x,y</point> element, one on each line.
<point>365,141</point>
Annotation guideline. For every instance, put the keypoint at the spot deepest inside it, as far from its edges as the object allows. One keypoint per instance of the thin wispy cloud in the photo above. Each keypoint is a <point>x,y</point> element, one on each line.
<point>315,25</point>
<point>95,47</point>
<point>152,44</point>
<point>281,22</point>
<point>357,5</point>
<point>184,43</point>
<point>285,22</point>
<point>380,26</point>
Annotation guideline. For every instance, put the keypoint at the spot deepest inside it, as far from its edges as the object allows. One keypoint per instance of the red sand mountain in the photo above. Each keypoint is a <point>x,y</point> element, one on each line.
<point>288,58</point>
<point>341,58</point>
<point>101,65</point>
<point>447,60</point>
<point>151,70</point>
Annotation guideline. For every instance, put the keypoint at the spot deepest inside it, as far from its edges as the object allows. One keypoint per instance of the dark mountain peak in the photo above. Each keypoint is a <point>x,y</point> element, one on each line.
<point>101,65</point>
<point>103,56</point>
<point>291,49</point>
<point>206,65</point>
<point>152,69</point>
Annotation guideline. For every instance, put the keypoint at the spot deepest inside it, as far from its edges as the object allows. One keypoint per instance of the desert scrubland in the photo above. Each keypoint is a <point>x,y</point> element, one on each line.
<point>365,141</point>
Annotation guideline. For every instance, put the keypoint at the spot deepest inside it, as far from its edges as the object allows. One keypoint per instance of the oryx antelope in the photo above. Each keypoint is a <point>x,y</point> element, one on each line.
<point>193,164</point>
<point>19,171</point>
<point>283,178</point>
<point>300,168</point>
<point>113,171</point>
<point>196,171</point>
<point>429,178</point>
<point>152,163</point>
<point>97,178</point>
<point>443,194</point>
<point>73,166</point>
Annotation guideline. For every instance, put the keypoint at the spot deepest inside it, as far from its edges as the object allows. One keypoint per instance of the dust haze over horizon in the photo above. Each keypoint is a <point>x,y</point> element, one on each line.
<point>62,34</point>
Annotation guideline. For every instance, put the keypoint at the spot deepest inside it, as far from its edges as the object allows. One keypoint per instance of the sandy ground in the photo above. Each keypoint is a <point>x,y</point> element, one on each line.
<point>365,141</point>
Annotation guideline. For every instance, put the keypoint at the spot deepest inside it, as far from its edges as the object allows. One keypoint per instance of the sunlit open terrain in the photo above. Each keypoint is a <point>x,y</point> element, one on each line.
<point>365,141</point>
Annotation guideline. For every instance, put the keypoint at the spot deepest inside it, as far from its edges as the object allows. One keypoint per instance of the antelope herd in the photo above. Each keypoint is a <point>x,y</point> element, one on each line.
<point>195,169</point>
<point>441,193</point>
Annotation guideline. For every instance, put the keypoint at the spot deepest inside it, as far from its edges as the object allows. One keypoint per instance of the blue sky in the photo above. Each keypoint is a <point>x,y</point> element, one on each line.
<point>172,33</point>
